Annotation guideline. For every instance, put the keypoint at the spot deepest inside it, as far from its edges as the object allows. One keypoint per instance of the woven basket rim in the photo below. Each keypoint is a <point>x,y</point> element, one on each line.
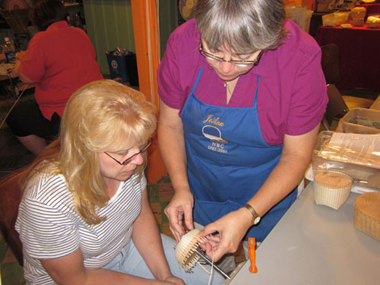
<point>372,197</point>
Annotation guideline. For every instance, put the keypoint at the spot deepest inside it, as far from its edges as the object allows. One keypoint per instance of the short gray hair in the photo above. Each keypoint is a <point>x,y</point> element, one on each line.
<point>245,26</point>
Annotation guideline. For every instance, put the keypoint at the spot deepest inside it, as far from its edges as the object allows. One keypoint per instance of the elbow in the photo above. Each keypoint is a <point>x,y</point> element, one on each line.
<point>25,79</point>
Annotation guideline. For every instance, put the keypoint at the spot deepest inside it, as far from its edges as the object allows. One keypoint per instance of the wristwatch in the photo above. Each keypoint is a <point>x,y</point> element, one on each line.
<point>255,217</point>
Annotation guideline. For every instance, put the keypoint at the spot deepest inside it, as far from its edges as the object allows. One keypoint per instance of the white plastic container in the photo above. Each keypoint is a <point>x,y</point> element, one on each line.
<point>366,176</point>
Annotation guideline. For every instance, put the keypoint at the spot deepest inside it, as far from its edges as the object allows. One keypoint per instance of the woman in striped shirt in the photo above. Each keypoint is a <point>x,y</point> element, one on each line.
<point>84,217</point>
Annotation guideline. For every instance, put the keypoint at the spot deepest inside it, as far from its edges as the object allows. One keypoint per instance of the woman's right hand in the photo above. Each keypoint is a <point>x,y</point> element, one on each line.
<point>174,280</point>
<point>180,208</point>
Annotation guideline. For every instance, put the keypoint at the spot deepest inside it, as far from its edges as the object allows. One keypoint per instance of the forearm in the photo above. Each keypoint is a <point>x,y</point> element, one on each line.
<point>171,143</point>
<point>104,276</point>
<point>70,270</point>
<point>282,180</point>
<point>172,149</point>
<point>287,174</point>
<point>147,240</point>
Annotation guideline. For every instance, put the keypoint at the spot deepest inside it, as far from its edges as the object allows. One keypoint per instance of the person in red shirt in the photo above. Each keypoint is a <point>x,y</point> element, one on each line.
<point>59,60</point>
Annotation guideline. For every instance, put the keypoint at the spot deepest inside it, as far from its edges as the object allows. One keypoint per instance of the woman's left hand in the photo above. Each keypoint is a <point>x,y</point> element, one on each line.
<point>231,228</point>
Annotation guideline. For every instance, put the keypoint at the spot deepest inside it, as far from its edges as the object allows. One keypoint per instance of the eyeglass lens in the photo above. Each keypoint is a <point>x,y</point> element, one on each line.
<point>241,63</point>
<point>143,149</point>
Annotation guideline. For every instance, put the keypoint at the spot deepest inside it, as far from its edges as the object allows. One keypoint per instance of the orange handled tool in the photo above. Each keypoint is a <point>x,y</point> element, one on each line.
<point>252,254</point>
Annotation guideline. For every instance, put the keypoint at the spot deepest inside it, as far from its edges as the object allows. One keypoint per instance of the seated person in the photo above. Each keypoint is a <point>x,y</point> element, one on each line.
<point>59,60</point>
<point>84,217</point>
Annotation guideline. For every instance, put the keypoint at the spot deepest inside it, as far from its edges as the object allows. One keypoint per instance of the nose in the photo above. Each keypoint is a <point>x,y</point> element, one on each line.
<point>226,66</point>
<point>138,159</point>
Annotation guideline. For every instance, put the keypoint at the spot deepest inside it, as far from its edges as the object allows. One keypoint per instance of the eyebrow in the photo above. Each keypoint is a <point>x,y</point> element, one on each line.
<point>122,151</point>
<point>248,53</point>
<point>234,54</point>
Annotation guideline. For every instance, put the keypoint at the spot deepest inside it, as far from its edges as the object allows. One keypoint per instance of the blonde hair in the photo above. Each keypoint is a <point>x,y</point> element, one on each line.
<point>102,116</point>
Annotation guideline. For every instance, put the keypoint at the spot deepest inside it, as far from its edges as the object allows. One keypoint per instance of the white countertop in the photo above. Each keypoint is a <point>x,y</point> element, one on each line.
<point>315,244</point>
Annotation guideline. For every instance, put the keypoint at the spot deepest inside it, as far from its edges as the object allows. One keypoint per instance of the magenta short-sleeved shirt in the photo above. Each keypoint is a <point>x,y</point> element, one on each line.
<point>291,96</point>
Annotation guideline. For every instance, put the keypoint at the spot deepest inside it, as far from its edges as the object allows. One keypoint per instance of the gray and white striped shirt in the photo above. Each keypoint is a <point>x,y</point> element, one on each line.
<point>49,226</point>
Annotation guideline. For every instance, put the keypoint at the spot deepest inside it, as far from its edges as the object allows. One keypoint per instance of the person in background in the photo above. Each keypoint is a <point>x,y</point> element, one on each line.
<point>242,95</point>
<point>59,59</point>
<point>84,217</point>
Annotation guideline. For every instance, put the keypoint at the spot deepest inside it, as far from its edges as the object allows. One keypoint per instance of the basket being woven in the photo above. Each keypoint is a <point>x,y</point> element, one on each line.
<point>185,250</point>
<point>367,214</point>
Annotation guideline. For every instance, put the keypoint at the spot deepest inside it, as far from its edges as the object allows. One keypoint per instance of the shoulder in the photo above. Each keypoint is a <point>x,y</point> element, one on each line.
<point>298,41</point>
<point>49,190</point>
<point>180,61</point>
<point>185,39</point>
<point>294,86</point>
<point>37,38</point>
<point>299,51</point>
<point>188,31</point>
<point>77,31</point>
<point>59,30</point>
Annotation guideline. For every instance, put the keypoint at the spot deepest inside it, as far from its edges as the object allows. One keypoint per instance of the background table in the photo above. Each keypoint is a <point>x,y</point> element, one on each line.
<point>372,9</point>
<point>359,54</point>
<point>315,244</point>
<point>376,104</point>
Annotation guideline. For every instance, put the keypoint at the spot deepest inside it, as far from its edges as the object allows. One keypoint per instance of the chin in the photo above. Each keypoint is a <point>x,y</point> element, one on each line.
<point>126,174</point>
<point>228,77</point>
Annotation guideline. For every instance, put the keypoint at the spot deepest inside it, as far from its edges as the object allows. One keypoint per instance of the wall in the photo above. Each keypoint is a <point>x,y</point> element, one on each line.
<point>168,21</point>
<point>109,24</point>
<point>311,4</point>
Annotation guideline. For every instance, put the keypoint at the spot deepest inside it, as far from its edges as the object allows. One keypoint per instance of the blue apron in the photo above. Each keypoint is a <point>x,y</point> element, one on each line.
<point>228,161</point>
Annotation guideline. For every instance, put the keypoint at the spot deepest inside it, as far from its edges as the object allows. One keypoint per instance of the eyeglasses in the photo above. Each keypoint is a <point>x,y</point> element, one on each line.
<point>239,63</point>
<point>128,160</point>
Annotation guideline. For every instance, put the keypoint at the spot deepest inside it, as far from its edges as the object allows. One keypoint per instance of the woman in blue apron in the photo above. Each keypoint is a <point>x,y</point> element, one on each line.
<point>239,116</point>
<point>237,144</point>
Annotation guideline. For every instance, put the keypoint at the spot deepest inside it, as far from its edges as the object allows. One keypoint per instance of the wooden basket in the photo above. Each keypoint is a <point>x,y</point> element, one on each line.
<point>367,214</point>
